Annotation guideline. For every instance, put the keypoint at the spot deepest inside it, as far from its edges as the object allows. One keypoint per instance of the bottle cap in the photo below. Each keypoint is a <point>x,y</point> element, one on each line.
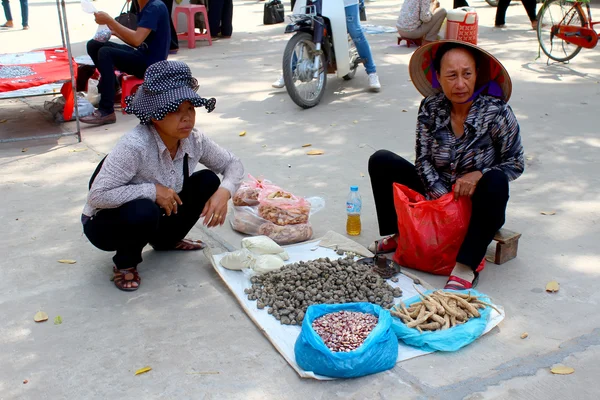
<point>354,188</point>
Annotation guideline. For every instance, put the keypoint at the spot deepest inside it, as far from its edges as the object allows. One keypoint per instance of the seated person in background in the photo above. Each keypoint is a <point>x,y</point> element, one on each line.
<point>421,19</point>
<point>148,44</point>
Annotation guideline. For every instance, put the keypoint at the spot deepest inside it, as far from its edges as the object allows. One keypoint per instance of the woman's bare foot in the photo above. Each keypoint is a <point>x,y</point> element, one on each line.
<point>8,24</point>
<point>534,25</point>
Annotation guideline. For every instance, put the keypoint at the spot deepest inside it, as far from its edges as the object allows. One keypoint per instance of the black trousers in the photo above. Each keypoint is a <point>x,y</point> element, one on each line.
<point>107,57</point>
<point>127,229</point>
<point>530,6</point>
<point>220,17</point>
<point>488,202</point>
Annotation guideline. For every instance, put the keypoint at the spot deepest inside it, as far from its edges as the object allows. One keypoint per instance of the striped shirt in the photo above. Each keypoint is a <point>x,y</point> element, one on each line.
<point>491,141</point>
<point>140,160</point>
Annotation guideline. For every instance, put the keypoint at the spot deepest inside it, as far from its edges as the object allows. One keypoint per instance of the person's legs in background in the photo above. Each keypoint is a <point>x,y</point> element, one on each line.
<point>215,13</point>
<point>530,7</point>
<point>25,14</point>
<point>460,3</point>
<point>362,45</point>
<point>501,12</point>
<point>487,217</point>
<point>174,45</point>
<point>107,57</point>
<point>7,14</point>
<point>227,19</point>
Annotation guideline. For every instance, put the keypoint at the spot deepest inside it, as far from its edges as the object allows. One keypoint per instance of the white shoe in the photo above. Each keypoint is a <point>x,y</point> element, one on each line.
<point>279,83</point>
<point>374,84</point>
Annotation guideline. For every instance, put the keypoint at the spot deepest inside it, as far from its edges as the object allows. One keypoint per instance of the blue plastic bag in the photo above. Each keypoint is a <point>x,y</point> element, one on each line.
<point>447,340</point>
<point>378,352</point>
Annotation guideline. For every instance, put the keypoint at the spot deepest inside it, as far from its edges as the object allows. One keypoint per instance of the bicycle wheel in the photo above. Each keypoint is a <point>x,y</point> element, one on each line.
<point>552,14</point>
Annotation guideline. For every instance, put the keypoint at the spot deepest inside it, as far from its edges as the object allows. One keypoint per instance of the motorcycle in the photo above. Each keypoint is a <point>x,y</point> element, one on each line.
<point>321,45</point>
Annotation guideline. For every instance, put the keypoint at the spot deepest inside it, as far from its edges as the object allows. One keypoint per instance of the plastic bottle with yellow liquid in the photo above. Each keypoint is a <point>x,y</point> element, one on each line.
<point>353,209</point>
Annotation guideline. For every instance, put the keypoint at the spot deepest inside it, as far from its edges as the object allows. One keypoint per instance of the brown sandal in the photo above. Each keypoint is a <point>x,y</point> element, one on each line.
<point>189,245</point>
<point>123,276</point>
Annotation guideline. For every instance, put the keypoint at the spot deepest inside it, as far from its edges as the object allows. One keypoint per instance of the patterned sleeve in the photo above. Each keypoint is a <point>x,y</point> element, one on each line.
<point>221,161</point>
<point>425,10</point>
<point>112,188</point>
<point>427,172</point>
<point>507,140</point>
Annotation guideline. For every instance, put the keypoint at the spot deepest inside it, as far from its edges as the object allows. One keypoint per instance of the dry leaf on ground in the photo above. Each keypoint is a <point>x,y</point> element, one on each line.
<point>548,212</point>
<point>315,152</point>
<point>57,320</point>
<point>24,149</point>
<point>524,335</point>
<point>355,121</point>
<point>243,133</point>
<point>78,150</point>
<point>3,121</point>
<point>143,370</point>
<point>552,287</point>
<point>26,381</point>
<point>562,370</point>
<point>307,145</point>
<point>362,175</point>
<point>40,316</point>
<point>66,261</point>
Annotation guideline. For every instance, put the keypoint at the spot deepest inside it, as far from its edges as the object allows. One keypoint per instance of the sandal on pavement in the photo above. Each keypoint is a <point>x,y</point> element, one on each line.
<point>385,245</point>
<point>456,283</point>
<point>189,244</point>
<point>124,276</point>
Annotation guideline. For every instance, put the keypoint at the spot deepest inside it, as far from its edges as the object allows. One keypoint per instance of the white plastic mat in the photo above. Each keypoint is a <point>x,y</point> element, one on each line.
<point>283,337</point>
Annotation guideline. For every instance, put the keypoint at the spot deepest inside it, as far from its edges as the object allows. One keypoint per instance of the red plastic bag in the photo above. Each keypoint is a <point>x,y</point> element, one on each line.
<point>430,232</point>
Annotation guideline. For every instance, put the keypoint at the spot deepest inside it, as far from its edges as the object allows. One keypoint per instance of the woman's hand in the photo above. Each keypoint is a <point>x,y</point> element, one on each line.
<point>215,210</point>
<point>167,199</point>
<point>466,184</point>
<point>102,18</point>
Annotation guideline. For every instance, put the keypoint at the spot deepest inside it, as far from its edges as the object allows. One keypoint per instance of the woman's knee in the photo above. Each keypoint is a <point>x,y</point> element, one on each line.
<point>494,184</point>
<point>379,160</point>
<point>205,181</point>
<point>143,212</point>
<point>93,46</point>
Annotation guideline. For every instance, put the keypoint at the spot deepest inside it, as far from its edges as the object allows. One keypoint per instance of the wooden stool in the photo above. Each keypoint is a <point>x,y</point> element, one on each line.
<point>414,42</point>
<point>191,36</point>
<point>507,244</point>
<point>129,85</point>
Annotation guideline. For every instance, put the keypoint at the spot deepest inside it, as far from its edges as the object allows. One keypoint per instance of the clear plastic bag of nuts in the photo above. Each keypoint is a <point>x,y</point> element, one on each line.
<point>288,234</point>
<point>282,208</point>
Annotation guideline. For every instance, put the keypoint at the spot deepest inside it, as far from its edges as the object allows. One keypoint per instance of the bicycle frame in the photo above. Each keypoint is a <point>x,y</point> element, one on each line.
<point>584,36</point>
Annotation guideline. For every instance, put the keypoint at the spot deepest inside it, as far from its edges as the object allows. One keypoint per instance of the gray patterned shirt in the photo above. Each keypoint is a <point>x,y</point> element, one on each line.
<point>491,140</point>
<point>140,160</point>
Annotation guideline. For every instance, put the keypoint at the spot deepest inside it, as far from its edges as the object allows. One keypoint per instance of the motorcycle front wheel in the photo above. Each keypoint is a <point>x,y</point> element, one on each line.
<point>298,63</point>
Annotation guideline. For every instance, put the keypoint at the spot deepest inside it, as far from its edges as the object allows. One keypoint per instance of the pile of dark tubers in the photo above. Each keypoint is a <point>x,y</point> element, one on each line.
<point>289,291</point>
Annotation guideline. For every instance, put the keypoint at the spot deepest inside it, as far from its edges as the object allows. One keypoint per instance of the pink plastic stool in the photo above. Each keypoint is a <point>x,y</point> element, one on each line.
<point>191,36</point>
<point>129,85</point>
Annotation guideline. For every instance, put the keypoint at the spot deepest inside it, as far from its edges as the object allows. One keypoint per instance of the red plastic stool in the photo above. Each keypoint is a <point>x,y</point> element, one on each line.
<point>129,85</point>
<point>414,42</point>
<point>191,36</point>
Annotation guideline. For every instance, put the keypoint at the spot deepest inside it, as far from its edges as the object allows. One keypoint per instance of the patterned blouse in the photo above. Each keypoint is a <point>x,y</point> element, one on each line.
<point>413,14</point>
<point>491,141</point>
<point>141,159</point>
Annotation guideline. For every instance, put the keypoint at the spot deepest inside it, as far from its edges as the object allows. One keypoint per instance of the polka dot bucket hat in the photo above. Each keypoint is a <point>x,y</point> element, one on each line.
<point>166,85</point>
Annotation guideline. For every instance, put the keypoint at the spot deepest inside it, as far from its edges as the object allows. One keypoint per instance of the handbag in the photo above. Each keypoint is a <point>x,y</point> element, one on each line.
<point>127,18</point>
<point>274,12</point>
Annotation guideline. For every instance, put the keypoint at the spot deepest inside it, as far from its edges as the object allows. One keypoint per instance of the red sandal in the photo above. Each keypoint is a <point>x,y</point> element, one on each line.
<point>122,276</point>
<point>385,245</point>
<point>456,283</point>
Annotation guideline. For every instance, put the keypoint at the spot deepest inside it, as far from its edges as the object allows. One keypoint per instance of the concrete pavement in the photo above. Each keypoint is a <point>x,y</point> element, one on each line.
<point>183,322</point>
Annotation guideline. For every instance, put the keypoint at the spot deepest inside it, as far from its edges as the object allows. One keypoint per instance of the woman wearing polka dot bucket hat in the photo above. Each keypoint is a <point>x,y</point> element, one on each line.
<point>142,192</point>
